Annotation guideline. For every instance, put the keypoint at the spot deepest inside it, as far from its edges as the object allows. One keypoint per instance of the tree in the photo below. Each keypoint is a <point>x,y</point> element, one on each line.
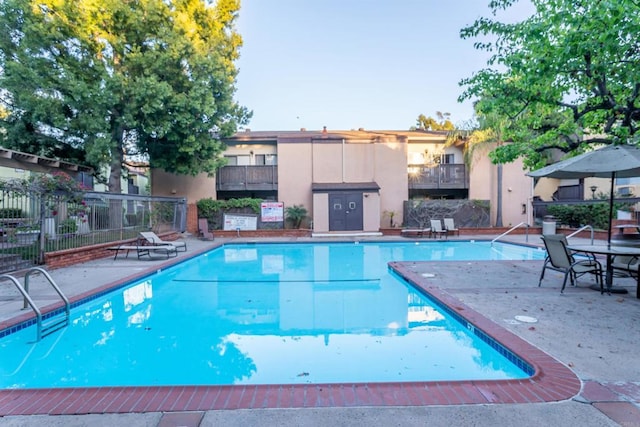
<point>99,81</point>
<point>489,132</point>
<point>443,122</point>
<point>566,78</point>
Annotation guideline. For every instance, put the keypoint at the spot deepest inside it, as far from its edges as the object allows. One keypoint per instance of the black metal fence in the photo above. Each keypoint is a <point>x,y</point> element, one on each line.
<point>32,225</point>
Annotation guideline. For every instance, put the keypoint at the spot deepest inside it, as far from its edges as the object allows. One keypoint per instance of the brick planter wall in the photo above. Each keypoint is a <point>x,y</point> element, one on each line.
<point>68,257</point>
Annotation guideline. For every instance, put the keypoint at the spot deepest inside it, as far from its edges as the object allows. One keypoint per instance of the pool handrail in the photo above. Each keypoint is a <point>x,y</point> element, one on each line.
<point>28,301</point>
<point>584,227</point>
<point>525,224</point>
<point>42,329</point>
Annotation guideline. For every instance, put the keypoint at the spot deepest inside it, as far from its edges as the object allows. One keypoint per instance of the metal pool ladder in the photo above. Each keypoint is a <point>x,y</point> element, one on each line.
<point>56,322</point>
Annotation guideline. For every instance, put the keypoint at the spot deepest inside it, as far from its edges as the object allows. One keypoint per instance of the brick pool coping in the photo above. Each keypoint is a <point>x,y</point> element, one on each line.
<point>552,381</point>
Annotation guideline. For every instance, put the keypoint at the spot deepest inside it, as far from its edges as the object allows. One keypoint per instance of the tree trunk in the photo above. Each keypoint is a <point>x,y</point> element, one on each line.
<point>117,159</point>
<point>499,197</point>
<point>115,184</point>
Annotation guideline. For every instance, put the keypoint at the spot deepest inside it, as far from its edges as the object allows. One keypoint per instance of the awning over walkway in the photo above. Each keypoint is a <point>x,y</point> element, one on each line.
<point>325,187</point>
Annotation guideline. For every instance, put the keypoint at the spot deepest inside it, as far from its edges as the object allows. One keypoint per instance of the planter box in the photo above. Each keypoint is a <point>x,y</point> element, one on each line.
<point>27,237</point>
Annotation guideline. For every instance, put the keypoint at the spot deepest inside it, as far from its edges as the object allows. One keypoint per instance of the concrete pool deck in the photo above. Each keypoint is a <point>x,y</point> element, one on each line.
<point>595,336</point>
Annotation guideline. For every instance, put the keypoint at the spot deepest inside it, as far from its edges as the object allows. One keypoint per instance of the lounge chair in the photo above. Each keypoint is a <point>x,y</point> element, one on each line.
<point>436,228</point>
<point>559,258</point>
<point>203,229</point>
<point>143,249</point>
<point>415,232</point>
<point>450,226</point>
<point>153,239</point>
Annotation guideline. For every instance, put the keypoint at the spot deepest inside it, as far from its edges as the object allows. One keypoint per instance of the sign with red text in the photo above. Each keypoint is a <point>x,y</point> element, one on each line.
<point>272,211</point>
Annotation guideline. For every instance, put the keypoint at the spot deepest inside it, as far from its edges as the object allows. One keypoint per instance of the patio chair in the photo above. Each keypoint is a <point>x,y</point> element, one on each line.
<point>436,228</point>
<point>153,239</point>
<point>559,258</point>
<point>450,226</point>
<point>415,232</point>
<point>203,229</point>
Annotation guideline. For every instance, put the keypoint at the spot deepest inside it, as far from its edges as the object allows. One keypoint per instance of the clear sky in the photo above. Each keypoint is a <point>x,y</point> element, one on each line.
<point>348,64</point>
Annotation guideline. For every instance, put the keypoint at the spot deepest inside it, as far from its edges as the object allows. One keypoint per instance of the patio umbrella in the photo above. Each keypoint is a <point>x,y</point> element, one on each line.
<point>611,161</point>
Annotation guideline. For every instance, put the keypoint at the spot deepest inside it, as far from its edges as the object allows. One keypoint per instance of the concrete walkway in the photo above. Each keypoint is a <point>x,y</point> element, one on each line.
<point>596,335</point>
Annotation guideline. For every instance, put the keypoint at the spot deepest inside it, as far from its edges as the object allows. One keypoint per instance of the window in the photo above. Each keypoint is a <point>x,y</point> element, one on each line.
<point>260,159</point>
<point>447,159</point>
<point>270,159</point>
<point>238,160</point>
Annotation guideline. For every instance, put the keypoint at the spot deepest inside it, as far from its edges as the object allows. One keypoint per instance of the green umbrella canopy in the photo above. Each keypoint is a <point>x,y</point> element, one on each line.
<point>623,161</point>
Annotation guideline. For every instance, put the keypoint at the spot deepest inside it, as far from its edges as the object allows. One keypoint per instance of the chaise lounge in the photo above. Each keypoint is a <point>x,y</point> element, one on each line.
<point>153,239</point>
<point>143,249</point>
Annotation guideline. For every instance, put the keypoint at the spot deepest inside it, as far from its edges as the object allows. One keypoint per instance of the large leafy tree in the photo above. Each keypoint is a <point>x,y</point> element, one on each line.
<point>443,122</point>
<point>100,81</point>
<point>566,77</point>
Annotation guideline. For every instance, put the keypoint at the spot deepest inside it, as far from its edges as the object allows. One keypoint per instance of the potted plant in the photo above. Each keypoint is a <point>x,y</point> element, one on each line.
<point>26,234</point>
<point>295,215</point>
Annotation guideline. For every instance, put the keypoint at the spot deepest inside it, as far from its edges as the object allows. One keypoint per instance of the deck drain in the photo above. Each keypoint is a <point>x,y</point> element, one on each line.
<point>428,275</point>
<point>526,319</point>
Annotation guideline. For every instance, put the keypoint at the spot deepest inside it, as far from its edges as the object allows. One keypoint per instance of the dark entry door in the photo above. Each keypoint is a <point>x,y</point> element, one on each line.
<point>345,211</point>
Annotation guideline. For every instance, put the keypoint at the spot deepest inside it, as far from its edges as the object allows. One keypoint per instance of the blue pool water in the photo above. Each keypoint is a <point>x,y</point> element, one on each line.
<point>267,314</point>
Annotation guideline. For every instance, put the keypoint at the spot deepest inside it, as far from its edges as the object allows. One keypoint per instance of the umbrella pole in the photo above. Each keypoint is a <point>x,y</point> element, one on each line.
<point>609,272</point>
<point>611,196</point>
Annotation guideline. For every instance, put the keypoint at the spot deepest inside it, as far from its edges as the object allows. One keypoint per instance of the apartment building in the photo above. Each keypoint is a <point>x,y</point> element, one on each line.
<point>349,181</point>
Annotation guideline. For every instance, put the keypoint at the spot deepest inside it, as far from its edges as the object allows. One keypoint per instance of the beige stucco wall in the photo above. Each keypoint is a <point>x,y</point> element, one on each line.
<point>321,212</point>
<point>517,188</point>
<point>382,162</point>
<point>545,187</point>
<point>333,161</point>
<point>294,175</point>
<point>392,176</point>
<point>336,162</point>
<point>187,186</point>
<point>371,211</point>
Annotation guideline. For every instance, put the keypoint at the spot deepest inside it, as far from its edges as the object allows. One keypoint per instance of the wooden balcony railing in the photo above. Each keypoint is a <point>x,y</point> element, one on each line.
<point>247,178</point>
<point>440,176</point>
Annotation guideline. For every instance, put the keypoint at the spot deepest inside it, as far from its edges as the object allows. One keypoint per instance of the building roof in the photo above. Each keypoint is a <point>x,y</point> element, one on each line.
<point>248,136</point>
<point>30,160</point>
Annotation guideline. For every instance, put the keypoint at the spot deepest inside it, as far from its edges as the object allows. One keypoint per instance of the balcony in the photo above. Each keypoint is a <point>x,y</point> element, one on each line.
<point>247,178</point>
<point>450,176</point>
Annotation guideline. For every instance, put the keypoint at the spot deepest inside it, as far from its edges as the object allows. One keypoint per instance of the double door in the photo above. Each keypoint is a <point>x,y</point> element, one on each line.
<point>345,211</point>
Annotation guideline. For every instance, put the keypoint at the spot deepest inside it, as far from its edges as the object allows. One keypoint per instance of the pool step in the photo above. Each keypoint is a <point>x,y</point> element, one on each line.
<point>55,322</point>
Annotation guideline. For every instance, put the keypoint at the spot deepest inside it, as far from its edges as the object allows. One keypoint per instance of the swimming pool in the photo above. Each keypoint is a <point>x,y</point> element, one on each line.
<point>268,314</point>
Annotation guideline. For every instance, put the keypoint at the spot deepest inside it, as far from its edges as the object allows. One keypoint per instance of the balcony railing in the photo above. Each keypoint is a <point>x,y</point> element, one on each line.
<point>440,176</point>
<point>247,178</point>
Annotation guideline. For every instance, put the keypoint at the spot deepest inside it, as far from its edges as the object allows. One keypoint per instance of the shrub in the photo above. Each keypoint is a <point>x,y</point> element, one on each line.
<point>10,213</point>
<point>68,226</point>
<point>295,215</point>
<point>213,210</point>
<point>594,214</point>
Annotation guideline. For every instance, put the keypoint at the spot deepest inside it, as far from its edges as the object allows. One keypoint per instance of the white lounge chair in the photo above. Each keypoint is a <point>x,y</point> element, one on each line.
<point>153,239</point>
<point>436,228</point>
<point>450,226</point>
<point>415,232</point>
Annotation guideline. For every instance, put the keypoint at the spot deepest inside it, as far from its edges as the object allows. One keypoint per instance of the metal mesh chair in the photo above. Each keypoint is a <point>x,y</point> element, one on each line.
<point>559,258</point>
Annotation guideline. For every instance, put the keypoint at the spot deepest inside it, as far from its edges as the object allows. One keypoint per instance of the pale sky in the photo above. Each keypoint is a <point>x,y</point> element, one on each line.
<point>347,64</point>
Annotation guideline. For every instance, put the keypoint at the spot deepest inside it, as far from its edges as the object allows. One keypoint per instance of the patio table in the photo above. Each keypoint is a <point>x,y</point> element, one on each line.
<point>610,252</point>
